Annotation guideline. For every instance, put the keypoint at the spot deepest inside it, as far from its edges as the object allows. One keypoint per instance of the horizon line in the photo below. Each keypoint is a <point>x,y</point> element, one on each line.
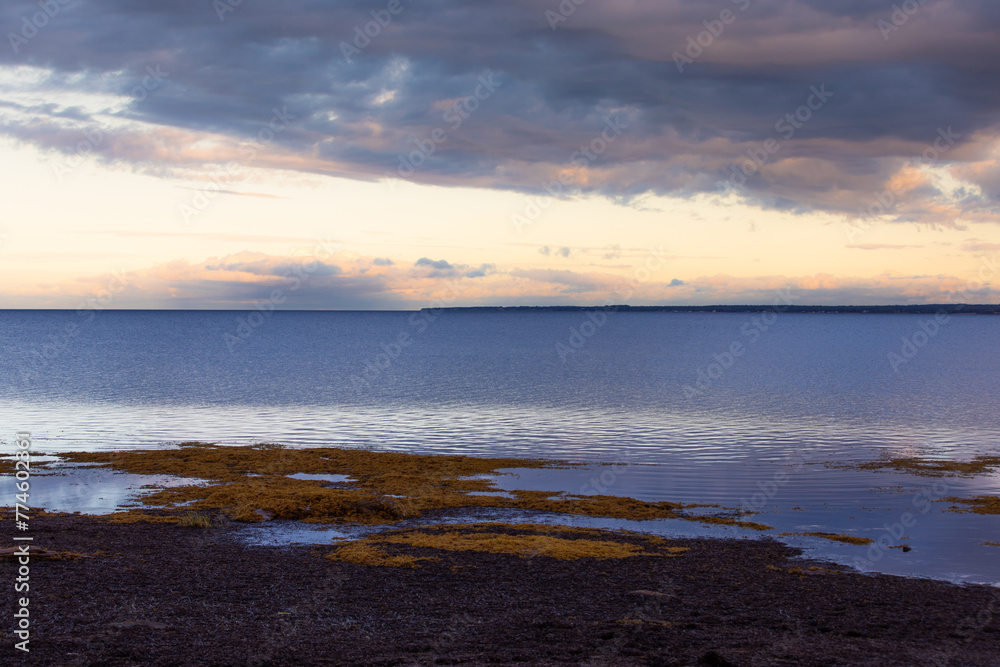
<point>783,307</point>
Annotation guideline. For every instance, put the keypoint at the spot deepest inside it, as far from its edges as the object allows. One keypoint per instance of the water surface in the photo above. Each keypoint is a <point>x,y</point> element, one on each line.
<point>659,394</point>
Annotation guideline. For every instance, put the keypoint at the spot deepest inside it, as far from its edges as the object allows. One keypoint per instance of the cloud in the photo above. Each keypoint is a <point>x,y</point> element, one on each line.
<point>558,96</point>
<point>481,272</point>
<point>263,265</point>
<point>980,246</point>
<point>246,279</point>
<point>382,261</point>
<point>559,252</point>
<point>434,264</point>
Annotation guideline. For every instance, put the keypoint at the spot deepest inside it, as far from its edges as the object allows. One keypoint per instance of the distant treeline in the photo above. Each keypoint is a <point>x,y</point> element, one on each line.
<point>927,309</point>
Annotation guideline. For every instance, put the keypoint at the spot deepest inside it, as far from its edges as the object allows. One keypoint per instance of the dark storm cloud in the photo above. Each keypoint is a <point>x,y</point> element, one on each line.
<point>514,101</point>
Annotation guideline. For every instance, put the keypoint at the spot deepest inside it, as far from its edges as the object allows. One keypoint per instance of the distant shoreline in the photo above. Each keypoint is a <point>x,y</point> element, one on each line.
<point>926,309</point>
<point>923,309</point>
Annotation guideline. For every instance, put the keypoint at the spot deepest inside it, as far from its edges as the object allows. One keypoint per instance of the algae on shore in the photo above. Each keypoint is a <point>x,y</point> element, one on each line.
<point>251,483</point>
<point>846,539</point>
<point>977,505</point>
<point>525,540</point>
<point>927,467</point>
<point>728,521</point>
<point>365,552</point>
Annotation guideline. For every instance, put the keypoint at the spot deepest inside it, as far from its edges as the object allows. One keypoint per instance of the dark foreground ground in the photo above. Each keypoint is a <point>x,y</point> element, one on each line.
<point>186,596</point>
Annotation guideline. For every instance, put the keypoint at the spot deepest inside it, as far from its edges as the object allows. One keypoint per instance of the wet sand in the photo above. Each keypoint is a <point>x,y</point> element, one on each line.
<point>163,594</point>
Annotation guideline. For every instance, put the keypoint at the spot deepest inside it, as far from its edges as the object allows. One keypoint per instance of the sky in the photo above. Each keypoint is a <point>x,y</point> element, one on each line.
<point>400,154</point>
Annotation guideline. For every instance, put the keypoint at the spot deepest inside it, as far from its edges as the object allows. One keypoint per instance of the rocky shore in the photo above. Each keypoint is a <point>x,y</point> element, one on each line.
<point>164,594</point>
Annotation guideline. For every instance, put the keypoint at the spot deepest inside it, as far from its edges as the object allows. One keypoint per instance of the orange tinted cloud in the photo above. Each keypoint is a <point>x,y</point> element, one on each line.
<point>350,281</point>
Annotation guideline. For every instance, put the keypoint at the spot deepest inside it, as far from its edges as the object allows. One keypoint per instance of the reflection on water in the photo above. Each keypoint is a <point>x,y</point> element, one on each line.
<point>82,488</point>
<point>811,389</point>
<point>942,545</point>
<point>333,479</point>
<point>925,559</point>
<point>892,509</point>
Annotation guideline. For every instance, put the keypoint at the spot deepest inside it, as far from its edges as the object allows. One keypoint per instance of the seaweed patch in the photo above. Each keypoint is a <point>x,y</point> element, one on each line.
<point>846,539</point>
<point>977,505</point>
<point>524,540</point>
<point>253,484</point>
<point>978,465</point>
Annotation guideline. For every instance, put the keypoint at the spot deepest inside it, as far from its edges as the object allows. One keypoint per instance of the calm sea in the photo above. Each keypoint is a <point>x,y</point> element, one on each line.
<point>693,407</point>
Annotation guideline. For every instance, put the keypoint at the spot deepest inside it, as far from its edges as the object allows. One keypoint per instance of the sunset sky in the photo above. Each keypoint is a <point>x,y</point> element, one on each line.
<point>386,154</point>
